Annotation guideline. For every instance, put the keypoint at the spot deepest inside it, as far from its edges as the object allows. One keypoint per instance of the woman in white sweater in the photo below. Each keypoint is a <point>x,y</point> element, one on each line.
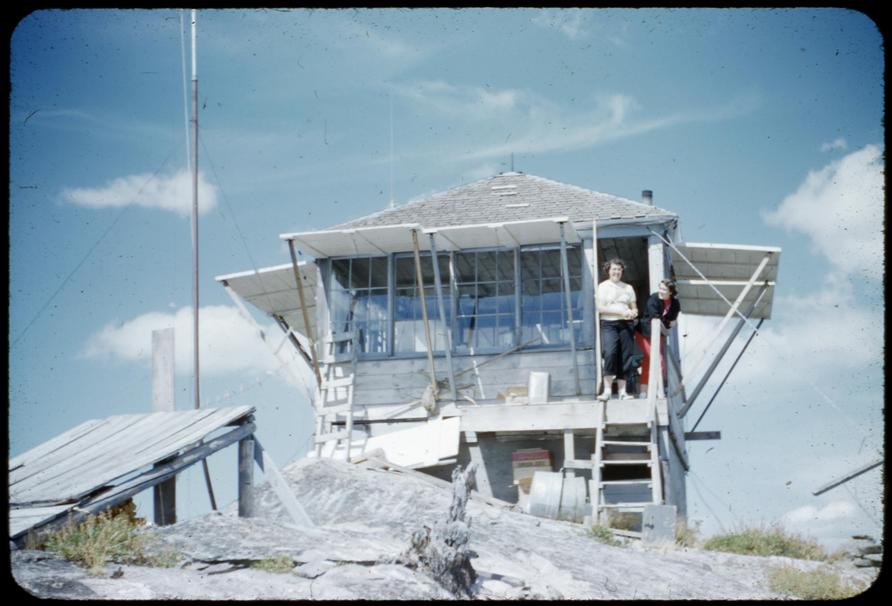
<point>617,308</point>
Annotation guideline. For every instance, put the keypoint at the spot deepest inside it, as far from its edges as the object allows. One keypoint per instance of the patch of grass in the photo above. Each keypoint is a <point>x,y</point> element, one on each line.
<point>603,534</point>
<point>111,536</point>
<point>818,584</point>
<point>772,541</point>
<point>279,564</point>
<point>685,534</point>
<point>624,520</point>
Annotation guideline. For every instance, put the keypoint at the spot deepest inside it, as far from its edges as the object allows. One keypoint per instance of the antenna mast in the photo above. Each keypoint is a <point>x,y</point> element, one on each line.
<point>207,475</point>
<point>392,204</point>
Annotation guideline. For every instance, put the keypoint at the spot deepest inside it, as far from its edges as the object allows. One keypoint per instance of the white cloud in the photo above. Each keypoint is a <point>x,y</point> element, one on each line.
<point>171,193</point>
<point>809,514</point>
<point>566,21</point>
<point>838,143</point>
<point>477,103</point>
<point>228,342</point>
<point>524,122</point>
<point>840,208</point>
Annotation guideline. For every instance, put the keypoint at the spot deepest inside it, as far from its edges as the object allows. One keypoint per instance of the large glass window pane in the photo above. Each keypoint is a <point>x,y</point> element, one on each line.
<point>486,300</point>
<point>356,306</point>
<point>544,303</point>
<point>409,335</point>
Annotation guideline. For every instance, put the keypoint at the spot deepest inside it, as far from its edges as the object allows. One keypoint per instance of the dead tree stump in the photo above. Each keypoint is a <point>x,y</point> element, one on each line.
<point>443,551</point>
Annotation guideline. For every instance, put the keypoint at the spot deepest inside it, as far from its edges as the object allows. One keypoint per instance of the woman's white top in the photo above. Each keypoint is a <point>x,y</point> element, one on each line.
<point>615,299</point>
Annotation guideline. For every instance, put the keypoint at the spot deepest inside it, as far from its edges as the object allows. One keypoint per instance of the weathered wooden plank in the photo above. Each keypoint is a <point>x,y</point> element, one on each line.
<point>281,487</point>
<point>127,489</point>
<point>23,519</point>
<point>128,452</point>
<point>96,463</point>
<point>553,416</point>
<point>43,450</point>
<point>106,430</point>
<point>246,477</point>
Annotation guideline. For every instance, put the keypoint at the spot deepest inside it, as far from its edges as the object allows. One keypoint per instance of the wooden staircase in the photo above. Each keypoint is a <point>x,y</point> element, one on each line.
<point>626,473</point>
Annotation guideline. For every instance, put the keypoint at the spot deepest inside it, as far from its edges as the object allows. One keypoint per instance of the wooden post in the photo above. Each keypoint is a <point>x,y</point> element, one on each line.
<point>311,334</point>
<point>246,475</point>
<point>427,330</point>
<point>569,451</point>
<point>481,477</point>
<point>595,274</point>
<point>655,375</point>
<point>164,495</point>
<point>565,269</point>
<point>446,328</point>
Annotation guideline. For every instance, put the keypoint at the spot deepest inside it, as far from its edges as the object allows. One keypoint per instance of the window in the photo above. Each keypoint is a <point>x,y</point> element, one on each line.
<point>544,304</point>
<point>481,295</point>
<point>359,302</point>
<point>487,305</point>
<point>408,322</point>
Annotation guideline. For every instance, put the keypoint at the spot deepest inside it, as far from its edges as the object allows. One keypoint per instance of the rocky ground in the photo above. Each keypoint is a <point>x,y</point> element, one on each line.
<point>365,516</point>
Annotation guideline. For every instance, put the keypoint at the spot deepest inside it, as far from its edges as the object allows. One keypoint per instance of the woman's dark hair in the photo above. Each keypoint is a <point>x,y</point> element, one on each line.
<point>670,284</point>
<point>614,261</point>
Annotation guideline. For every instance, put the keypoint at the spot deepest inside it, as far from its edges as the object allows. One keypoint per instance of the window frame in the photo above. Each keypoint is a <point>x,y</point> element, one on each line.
<point>450,291</point>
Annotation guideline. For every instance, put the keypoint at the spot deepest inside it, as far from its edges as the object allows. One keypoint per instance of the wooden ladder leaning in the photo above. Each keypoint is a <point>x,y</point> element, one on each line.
<point>334,399</point>
<point>622,448</point>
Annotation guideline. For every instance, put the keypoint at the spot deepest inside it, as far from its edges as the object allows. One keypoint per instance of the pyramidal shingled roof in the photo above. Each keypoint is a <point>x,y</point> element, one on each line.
<point>511,196</point>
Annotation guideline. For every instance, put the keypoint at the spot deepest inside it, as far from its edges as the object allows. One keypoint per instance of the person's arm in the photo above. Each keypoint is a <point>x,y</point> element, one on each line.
<point>617,309</point>
<point>674,309</point>
<point>633,304</point>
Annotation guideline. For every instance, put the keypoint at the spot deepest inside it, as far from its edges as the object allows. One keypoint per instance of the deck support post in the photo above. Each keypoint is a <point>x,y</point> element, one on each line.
<point>569,451</point>
<point>480,476</point>
<point>246,475</point>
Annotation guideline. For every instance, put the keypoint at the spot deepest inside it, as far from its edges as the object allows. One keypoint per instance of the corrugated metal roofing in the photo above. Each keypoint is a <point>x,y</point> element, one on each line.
<point>99,452</point>
<point>508,197</point>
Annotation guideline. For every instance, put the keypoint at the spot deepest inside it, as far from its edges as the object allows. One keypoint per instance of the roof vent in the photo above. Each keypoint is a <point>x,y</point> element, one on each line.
<point>504,190</point>
<point>647,197</point>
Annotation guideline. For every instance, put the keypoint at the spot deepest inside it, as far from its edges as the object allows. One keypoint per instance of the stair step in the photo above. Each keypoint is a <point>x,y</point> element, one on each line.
<point>647,462</point>
<point>339,358</point>
<point>340,337</point>
<point>578,464</point>
<point>620,443</point>
<point>336,409</point>
<point>338,382</point>
<point>624,482</point>
<point>335,435</point>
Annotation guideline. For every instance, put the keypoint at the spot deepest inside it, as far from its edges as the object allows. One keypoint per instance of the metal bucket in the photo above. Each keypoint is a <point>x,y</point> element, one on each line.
<point>556,497</point>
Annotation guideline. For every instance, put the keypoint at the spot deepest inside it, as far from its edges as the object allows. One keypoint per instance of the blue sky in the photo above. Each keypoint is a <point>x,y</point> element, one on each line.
<point>756,126</point>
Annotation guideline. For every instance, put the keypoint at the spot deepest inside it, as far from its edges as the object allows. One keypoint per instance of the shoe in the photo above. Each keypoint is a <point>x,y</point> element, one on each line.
<point>604,396</point>
<point>626,396</point>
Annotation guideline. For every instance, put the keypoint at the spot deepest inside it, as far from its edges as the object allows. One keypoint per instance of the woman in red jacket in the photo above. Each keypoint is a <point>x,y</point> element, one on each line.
<point>664,305</point>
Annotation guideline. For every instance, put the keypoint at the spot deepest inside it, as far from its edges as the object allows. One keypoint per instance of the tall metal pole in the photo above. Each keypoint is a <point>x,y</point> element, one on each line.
<point>207,473</point>
<point>194,121</point>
